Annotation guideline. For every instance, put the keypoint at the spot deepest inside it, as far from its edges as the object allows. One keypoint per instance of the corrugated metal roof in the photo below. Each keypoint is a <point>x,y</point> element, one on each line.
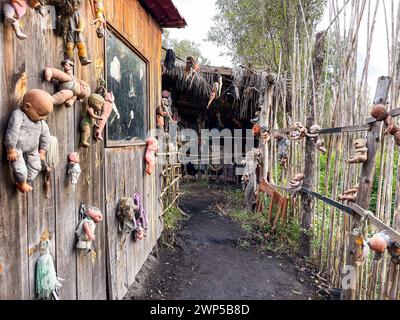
<point>165,13</point>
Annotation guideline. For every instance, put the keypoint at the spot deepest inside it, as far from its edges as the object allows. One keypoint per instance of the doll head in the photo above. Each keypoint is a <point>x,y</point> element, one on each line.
<point>378,243</point>
<point>140,233</point>
<point>315,128</point>
<point>96,101</point>
<point>360,143</point>
<point>37,104</point>
<point>73,157</point>
<point>95,214</point>
<point>85,90</point>
<point>298,177</point>
<point>379,112</point>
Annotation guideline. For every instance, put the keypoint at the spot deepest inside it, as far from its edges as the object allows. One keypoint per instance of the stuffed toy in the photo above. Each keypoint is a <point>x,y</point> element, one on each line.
<point>126,211</point>
<point>28,137</point>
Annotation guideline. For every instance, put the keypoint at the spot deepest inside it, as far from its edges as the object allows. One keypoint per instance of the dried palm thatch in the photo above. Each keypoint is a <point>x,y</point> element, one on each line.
<point>245,85</point>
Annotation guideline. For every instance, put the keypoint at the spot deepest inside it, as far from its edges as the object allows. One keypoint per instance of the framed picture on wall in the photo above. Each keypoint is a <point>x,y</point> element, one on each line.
<point>127,78</point>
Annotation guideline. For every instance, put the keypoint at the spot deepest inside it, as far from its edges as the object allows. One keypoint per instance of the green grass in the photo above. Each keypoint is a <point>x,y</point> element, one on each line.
<point>285,237</point>
<point>172,222</point>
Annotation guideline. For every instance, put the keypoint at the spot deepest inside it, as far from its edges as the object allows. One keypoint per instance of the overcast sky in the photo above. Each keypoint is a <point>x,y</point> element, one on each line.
<point>199,14</point>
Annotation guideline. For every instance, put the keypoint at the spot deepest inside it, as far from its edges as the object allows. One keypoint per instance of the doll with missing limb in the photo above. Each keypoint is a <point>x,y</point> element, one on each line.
<point>360,152</point>
<point>85,231</point>
<point>95,105</point>
<point>350,195</point>
<point>152,147</point>
<point>69,87</point>
<point>27,138</point>
<point>14,10</point>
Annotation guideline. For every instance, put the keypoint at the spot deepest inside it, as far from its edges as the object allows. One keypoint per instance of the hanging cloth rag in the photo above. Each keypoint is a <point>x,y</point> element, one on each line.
<point>47,282</point>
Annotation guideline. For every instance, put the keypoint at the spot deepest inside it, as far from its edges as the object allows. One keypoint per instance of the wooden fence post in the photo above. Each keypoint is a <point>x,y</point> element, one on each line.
<point>365,189</point>
<point>307,201</point>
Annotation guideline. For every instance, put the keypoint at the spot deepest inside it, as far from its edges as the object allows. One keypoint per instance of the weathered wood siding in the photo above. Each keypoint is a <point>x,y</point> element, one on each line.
<point>107,174</point>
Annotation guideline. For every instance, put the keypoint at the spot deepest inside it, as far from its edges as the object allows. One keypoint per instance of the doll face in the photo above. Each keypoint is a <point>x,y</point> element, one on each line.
<point>95,214</point>
<point>37,104</point>
<point>85,89</point>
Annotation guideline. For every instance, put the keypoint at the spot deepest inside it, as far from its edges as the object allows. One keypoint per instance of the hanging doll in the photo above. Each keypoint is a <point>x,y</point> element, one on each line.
<point>27,138</point>
<point>108,107</point>
<point>47,282</point>
<point>296,182</point>
<point>95,105</point>
<point>316,138</point>
<point>126,215</point>
<point>283,144</point>
<point>75,38</point>
<point>141,218</point>
<point>85,231</point>
<point>74,168</point>
<point>378,243</point>
<point>152,147</point>
<point>380,113</point>
<point>360,152</point>
<point>394,251</point>
<point>300,131</point>
<point>350,195</point>
<point>69,87</point>
<point>100,21</point>
<point>49,164</point>
<point>160,114</point>
<point>214,93</point>
<point>14,10</point>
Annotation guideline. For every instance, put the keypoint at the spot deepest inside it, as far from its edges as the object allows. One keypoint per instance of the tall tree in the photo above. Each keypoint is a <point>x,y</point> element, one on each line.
<point>261,33</point>
<point>184,48</point>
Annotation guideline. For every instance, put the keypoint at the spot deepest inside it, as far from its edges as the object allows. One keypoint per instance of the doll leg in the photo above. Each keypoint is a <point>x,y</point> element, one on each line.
<point>21,173</point>
<point>10,18</point>
<point>82,53</point>
<point>34,166</point>
<point>85,135</point>
<point>53,73</point>
<point>19,168</point>
<point>62,96</point>
<point>70,102</point>
<point>69,50</point>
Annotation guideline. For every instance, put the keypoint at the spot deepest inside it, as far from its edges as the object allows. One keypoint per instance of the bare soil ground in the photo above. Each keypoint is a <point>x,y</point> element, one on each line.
<point>209,263</point>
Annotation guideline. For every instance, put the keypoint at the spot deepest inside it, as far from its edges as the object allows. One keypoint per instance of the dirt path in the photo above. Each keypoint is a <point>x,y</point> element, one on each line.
<point>209,263</point>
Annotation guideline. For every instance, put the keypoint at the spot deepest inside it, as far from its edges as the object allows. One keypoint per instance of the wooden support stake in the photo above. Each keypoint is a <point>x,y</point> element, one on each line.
<point>307,201</point>
<point>365,189</point>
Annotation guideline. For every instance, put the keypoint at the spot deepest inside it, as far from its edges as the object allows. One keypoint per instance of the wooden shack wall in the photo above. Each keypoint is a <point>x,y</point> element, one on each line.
<point>107,174</point>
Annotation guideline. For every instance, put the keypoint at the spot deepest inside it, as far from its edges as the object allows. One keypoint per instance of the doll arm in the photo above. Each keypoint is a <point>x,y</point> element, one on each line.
<point>89,231</point>
<point>44,141</point>
<point>14,126</point>
<point>91,114</point>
